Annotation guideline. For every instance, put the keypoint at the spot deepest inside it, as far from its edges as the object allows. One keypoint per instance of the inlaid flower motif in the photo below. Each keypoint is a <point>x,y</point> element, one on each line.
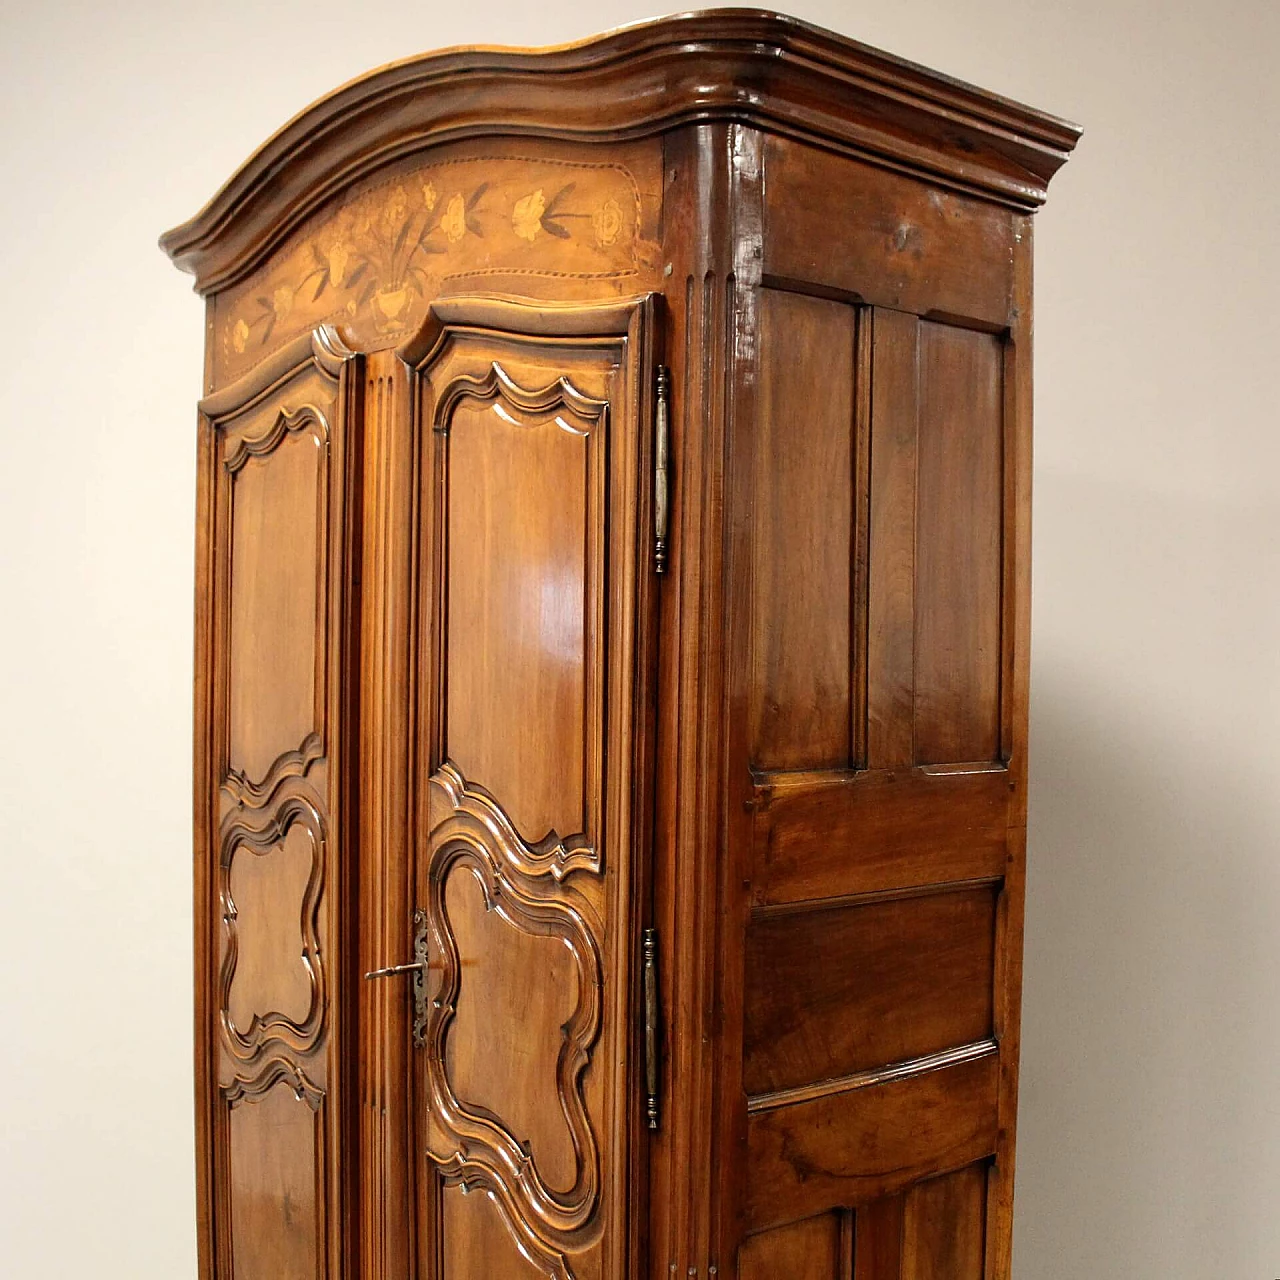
<point>393,212</point>
<point>429,195</point>
<point>526,217</point>
<point>240,336</point>
<point>282,301</point>
<point>607,223</point>
<point>454,222</point>
<point>337,259</point>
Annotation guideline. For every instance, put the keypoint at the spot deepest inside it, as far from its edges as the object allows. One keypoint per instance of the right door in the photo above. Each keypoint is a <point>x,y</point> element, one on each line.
<point>533,617</point>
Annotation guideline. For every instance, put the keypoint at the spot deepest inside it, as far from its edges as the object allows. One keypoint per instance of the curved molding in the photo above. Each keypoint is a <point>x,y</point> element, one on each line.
<point>498,385</point>
<point>322,348</point>
<point>514,319</point>
<point>906,1070</point>
<point>462,807</point>
<point>262,839</point>
<point>244,792</point>
<point>762,69</point>
<point>243,1089</point>
<point>285,423</point>
<point>473,1146</point>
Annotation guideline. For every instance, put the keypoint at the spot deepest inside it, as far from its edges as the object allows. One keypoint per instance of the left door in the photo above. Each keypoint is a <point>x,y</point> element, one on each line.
<point>276,544</point>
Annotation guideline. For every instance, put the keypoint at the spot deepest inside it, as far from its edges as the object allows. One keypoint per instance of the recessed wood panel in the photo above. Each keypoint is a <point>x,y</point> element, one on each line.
<point>891,557</point>
<point>509,978</point>
<point>943,1227</point>
<point>269,893</point>
<point>890,239</point>
<point>278,498</point>
<point>877,1240</point>
<point>275,1200</point>
<point>824,835</point>
<point>958,545</point>
<point>803,534</point>
<point>810,1250</point>
<point>843,1148</point>
<point>834,991</point>
<point>521,545</point>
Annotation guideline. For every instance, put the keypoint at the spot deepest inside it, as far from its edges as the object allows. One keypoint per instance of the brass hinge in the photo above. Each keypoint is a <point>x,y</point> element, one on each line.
<point>418,968</point>
<point>652,1027</point>
<point>661,497</point>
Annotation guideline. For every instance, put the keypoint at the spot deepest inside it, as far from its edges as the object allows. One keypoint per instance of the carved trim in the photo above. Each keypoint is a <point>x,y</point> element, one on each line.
<point>322,349</point>
<point>513,321</point>
<point>468,806</point>
<point>286,422</point>
<point>907,1070</point>
<point>243,791</point>
<point>497,384</point>
<point>261,840</point>
<point>243,1089</point>
<point>766,71</point>
<point>474,1146</point>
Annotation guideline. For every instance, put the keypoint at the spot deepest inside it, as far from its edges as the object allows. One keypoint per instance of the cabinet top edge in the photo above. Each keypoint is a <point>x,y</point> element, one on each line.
<point>763,69</point>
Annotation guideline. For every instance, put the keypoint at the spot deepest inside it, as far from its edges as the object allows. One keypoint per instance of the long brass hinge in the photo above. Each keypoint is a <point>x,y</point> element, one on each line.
<point>661,496</point>
<point>652,1027</point>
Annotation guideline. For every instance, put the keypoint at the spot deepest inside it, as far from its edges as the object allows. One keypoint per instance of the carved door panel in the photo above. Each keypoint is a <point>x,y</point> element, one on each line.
<point>276,546</point>
<point>535,581</point>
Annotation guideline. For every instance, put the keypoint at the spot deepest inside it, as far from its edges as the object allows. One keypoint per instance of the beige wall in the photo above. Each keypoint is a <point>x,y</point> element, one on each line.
<point>1151,1099</point>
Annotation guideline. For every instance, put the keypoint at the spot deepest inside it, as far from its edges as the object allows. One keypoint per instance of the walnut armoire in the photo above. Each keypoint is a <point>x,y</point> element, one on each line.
<point>611,674</point>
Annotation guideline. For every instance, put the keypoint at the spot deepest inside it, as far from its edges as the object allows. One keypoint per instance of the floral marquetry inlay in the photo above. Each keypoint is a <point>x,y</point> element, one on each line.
<point>373,265</point>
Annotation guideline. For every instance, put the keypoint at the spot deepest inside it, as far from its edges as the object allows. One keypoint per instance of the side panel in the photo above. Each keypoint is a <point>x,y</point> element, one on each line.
<point>534,578</point>
<point>272,661</point>
<point>876,451</point>
<point>802,627</point>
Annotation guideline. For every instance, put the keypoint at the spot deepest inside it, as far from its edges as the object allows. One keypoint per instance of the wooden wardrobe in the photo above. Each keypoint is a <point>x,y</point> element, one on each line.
<point>611,673</point>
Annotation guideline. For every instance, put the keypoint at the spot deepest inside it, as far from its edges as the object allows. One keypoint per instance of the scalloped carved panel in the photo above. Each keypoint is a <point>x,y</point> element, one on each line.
<point>271,986</point>
<point>523,626</point>
<point>515,1123</point>
<point>532,452</point>
<point>277,467</point>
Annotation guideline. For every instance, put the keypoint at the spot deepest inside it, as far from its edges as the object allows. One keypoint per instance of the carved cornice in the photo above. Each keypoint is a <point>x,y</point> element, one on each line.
<point>262,838</point>
<point>472,1146</point>
<point>763,69</point>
